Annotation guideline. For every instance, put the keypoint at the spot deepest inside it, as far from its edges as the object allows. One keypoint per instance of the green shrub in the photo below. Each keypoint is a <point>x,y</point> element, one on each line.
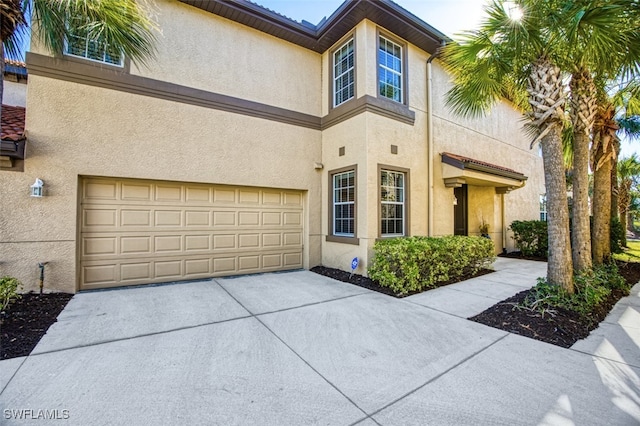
<point>8,291</point>
<point>617,235</point>
<point>531,237</point>
<point>590,289</point>
<point>416,263</point>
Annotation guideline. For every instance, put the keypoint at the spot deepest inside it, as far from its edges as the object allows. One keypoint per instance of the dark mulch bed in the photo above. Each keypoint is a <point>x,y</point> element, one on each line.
<point>518,255</point>
<point>26,320</point>
<point>564,327</point>
<point>368,283</point>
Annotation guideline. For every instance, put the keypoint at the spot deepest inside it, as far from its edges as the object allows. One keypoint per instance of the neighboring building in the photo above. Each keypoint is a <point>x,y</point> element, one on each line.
<point>253,143</point>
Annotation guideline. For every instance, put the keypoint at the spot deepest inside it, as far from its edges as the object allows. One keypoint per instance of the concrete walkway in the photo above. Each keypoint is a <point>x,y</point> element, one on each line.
<point>298,348</point>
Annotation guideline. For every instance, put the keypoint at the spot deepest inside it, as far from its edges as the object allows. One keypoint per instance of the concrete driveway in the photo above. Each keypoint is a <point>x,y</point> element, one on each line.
<point>298,348</point>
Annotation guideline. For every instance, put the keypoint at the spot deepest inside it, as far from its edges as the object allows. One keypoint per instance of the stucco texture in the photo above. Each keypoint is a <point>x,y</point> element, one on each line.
<point>119,134</point>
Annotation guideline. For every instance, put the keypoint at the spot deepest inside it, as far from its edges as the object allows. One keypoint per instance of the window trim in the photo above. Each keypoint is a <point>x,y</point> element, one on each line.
<point>407,197</point>
<point>333,68</point>
<point>403,61</point>
<point>341,238</point>
<point>344,40</point>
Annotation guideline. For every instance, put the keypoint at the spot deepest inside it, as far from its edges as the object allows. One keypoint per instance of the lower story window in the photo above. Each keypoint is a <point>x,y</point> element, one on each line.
<point>392,198</point>
<point>543,207</point>
<point>344,200</point>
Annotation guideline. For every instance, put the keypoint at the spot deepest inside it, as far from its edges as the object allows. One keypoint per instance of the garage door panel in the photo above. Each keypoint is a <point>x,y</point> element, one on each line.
<point>168,218</point>
<point>168,269</point>
<point>129,217</point>
<point>137,245</point>
<point>197,267</point>
<point>222,242</point>
<point>168,243</point>
<point>248,241</point>
<point>224,218</point>
<point>99,274</point>
<point>246,196</point>
<point>168,193</point>
<point>197,242</point>
<point>136,271</point>
<point>136,192</point>
<point>97,190</point>
<point>292,218</point>
<point>99,217</point>
<point>293,260</point>
<point>138,232</point>
<point>197,218</point>
<point>272,261</point>
<point>224,265</point>
<point>198,195</point>
<point>99,246</point>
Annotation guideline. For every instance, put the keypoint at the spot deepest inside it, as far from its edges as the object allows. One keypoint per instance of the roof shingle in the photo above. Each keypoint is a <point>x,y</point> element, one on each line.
<point>12,123</point>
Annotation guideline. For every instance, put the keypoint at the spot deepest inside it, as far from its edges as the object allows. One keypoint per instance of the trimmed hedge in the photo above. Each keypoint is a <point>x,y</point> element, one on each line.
<point>411,264</point>
<point>531,237</point>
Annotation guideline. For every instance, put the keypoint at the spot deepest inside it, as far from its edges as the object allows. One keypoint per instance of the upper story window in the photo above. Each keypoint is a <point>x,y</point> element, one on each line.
<point>343,73</point>
<point>390,70</point>
<point>80,45</point>
<point>392,198</point>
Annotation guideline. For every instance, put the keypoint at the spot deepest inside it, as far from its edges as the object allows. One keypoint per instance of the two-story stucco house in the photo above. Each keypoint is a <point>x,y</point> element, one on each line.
<point>253,143</point>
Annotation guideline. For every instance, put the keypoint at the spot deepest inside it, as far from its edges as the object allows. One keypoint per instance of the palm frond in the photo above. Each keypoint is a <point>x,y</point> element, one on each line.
<point>125,25</point>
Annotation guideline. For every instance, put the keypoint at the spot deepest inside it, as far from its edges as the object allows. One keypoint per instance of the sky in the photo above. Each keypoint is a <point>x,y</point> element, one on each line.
<point>448,16</point>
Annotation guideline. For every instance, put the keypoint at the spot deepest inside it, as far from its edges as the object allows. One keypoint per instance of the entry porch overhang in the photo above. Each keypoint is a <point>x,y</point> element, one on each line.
<point>458,170</point>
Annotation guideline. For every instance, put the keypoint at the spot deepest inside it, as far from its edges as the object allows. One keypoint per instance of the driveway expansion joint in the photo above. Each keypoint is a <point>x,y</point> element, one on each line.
<point>436,377</point>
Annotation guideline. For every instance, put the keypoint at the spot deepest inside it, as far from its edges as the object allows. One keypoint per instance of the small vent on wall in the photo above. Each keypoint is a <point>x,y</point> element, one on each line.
<point>394,149</point>
<point>341,151</point>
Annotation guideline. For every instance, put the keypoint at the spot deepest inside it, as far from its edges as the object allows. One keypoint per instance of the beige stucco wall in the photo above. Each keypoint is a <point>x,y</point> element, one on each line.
<point>497,138</point>
<point>14,94</point>
<point>80,130</point>
<point>77,130</point>
<point>201,50</point>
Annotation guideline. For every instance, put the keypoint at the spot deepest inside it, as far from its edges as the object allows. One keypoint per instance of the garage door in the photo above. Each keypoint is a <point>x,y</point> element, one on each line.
<point>138,232</point>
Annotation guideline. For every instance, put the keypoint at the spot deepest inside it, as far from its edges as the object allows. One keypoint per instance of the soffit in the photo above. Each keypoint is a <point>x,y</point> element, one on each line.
<point>458,170</point>
<point>321,37</point>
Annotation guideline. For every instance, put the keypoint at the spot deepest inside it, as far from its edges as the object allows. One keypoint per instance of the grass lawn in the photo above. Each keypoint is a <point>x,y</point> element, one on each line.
<point>632,254</point>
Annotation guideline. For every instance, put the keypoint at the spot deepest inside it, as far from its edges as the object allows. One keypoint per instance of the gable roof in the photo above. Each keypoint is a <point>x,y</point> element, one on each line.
<point>321,37</point>
<point>12,123</point>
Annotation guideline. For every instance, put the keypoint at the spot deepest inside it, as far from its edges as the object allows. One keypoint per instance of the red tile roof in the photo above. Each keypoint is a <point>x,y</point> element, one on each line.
<point>467,160</point>
<point>12,123</point>
<point>15,63</point>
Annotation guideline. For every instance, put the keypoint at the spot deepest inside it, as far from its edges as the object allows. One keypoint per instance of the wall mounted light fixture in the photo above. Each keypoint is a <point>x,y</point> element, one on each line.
<point>455,200</point>
<point>36,188</point>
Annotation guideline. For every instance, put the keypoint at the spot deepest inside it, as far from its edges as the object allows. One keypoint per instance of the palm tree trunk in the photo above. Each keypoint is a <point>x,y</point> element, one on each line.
<point>581,235</point>
<point>623,203</point>
<point>584,108</point>
<point>601,242</point>
<point>559,266</point>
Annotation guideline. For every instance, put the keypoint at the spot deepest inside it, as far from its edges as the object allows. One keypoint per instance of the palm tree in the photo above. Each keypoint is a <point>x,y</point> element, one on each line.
<point>124,25</point>
<point>618,106</point>
<point>628,172</point>
<point>604,40</point>
<point>526,51</point>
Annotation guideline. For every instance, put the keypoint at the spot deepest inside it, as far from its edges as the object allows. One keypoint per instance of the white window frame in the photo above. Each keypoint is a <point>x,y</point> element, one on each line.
<point>343,52</point>
<point>334,203</point>
<point>543,207</point>
<point>383,68</point>
<point>392,189</point>
<point>86,56</point>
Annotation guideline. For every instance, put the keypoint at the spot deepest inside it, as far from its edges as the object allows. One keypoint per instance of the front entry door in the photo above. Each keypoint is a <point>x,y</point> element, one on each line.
<point>460,211</point>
